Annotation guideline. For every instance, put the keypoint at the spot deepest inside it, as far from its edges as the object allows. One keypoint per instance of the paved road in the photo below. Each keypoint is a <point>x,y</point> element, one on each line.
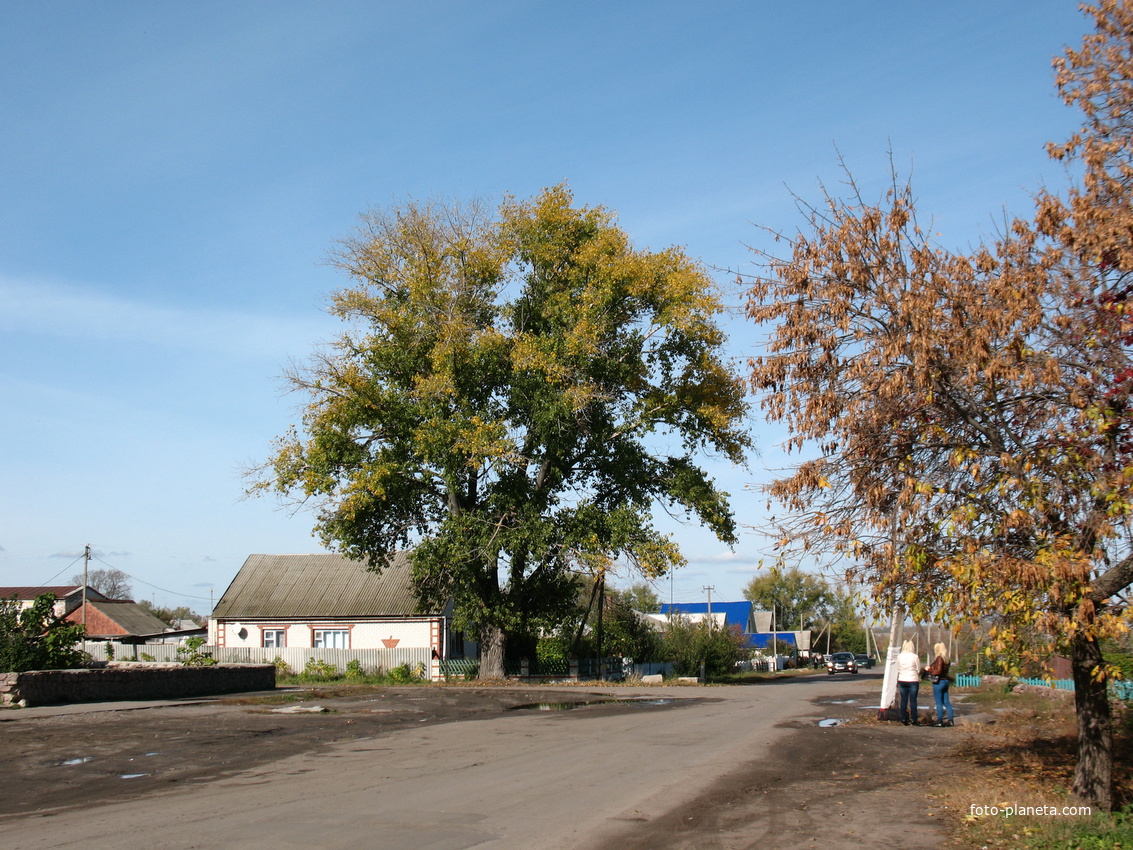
<point>582,778</point>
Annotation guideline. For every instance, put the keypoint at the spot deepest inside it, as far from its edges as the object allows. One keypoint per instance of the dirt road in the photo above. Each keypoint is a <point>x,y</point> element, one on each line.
<point>458,767</point>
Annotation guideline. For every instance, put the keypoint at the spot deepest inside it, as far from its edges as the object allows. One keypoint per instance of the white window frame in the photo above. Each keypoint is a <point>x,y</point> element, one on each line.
<point>319,638</point>
<point>278,638</point>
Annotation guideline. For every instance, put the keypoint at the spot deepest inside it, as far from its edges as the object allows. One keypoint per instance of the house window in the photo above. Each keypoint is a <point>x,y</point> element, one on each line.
<point>275,637</point>
<point>332,639</point>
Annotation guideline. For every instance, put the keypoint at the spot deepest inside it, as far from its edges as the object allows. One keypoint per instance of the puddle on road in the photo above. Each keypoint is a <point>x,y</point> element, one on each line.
<point>75,761</point>
<point>836,701</point>
<point>567,706</point>
<point>132,775</point>
<point>831,721</point>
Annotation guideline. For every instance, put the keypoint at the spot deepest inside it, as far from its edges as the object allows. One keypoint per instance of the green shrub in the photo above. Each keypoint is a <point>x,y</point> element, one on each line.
<point>687,645</point>
<point>191,655</point>
<point>318,669</point>
<point>401,673</point>
<point>354,669</point>
<point>282,668</point>
<point>34,638</point>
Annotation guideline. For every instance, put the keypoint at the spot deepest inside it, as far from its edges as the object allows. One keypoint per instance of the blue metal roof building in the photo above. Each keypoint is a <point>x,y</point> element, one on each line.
<point>735,613</point>
<point>742,614</point>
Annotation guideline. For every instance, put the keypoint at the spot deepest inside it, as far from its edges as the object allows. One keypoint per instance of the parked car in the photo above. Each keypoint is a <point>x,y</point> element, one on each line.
<point>866,661</point>
<point>842,662</point>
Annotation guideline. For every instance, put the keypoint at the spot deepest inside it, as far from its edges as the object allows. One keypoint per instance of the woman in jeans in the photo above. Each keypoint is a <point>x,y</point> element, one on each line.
<point>909,682</point>
<point>938,670</point>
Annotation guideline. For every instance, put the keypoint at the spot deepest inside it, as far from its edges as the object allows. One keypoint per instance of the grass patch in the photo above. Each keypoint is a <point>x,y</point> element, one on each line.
<point>372,679</point>
<point>1099,832</point>
<point>267,699</point>
<point>753,677</point>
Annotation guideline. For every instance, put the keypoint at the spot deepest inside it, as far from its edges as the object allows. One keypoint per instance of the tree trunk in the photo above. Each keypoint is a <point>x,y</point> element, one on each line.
<point>492,643</point>
<point>1093,777</point>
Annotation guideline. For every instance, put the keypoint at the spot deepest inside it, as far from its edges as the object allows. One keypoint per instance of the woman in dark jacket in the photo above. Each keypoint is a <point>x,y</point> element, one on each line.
<point>938,673</point>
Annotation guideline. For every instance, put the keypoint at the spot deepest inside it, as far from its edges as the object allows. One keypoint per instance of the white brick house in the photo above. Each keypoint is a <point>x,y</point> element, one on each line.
<point>327,601</point>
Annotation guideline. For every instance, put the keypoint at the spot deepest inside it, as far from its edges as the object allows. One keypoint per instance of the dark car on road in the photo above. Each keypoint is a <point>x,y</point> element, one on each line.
<point>865,661</point>
<point>842,662</point>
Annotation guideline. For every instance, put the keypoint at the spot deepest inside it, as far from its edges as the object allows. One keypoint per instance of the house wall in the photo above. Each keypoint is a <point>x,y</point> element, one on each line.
<point>401,634</point>
<point>59,608</point>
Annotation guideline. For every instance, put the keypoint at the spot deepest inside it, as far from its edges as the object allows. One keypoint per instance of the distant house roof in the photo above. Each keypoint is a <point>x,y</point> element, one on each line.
<point>117,617</point>
<point>314,586</point>
<point>27,594</point>
<point>735,613</point>
<point>761,641</point>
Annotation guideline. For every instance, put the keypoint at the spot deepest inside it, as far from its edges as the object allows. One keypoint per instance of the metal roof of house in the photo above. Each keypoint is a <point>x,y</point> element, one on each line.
<point>130,616</point>
<point>315,586</point>
<point>736,613</point>
<point>763,640</point>
<point>59,591</point>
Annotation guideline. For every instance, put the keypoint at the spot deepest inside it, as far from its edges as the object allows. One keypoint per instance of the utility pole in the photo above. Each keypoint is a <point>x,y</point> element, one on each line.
<point>86,566</point>
<point>774,641</point>
<point>601,601</point>
<point>703,672</point>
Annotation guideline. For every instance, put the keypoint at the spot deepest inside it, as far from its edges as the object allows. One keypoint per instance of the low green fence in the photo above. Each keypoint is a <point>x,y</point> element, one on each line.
<point>548,668</point>
<point>460,667</point>
<point>1120,689</point>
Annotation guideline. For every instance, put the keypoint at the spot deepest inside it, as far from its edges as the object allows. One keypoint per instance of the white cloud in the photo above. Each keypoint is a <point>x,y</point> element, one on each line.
<point>35,307</point>
<point>726,557</point>
<point>70,553</point>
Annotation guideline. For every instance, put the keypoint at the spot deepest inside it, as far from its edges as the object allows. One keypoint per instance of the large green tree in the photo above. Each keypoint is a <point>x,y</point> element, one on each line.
<point>641,596</point>
<point>804,600</point>
<point>799,599</point>
<point>515,393</point>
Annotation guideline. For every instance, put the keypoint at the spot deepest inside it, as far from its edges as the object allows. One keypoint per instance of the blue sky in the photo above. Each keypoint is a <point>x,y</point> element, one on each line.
<point>172,176</point>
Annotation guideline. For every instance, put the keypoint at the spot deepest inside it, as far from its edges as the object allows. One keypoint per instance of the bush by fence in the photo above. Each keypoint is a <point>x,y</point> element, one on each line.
<point>295,658</point>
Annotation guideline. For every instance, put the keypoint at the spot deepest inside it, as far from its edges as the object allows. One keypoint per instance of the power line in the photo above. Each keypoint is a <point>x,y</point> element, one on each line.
<point>154,586</point>
<point>48,582</point>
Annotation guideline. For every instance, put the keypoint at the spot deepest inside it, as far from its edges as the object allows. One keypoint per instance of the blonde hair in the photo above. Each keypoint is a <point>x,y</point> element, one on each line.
<point>907,646</point>
<point>941,650</point>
